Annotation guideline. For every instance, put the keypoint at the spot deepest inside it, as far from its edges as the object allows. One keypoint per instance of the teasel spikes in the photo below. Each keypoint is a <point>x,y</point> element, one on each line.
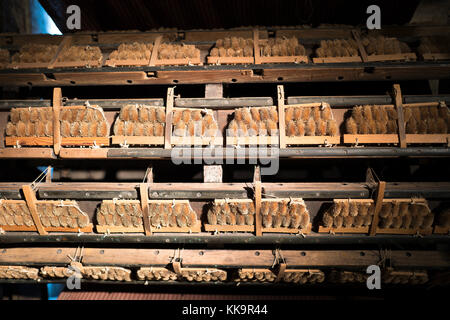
<point>348,221</point>
<point>310,127</point>
<point>291,129</point>
<point>351,126</point>
<point>386,222</point>
<point>288,115</point>
<point>338,221</point>
<point>353,208</point>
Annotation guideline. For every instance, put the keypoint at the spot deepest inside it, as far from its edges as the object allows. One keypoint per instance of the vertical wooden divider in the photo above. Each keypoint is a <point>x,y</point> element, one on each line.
<point>30,199</point>
<point>143,192</point>
<point>378,204</point>
<point>362,51</point>
<point>280,273</point>
<point>57,96</point>
<point>256,52</point>
<point>154,55</point>
<point>400,116</point>
<point>282,124</point>
<point>169,117</point>
<point>258,191</point>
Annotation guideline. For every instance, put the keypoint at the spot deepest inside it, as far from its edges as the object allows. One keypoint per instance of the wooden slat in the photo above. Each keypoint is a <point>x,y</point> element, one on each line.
<point>441,230</point>
<point>323,229</point>
<point>256,51</point>
<point>29,141</point>
<point>154,55</point>
<point>64,44</point>
<point>313,140</point>
<point>57,96</point>
<point>284,59</point>
<point>87,229</point>
<point>281,118</point>
<point>436,56</point>
<point>255,140</point>
<point>144,140</point>
<point>378,204</point>
<point>196,228</point>
<point>196,140</point>
<point>287,230</point>
<point>78,64</point>
<point>400,115</point>
<point>85,141</point>
<point>336,59</point>
<point>404,231</point>
<point>228,228</point>
<point>126,63</point>
<point>37,153</point>
<point>230,60</point>
<point>362,51</point>
<point>370,138</point>
<point>427,138</point>
<point>30,199</point>
<point>178,62</point>
<point>143,192</point>
<point>257,195</point>
<point>169,117</point>
<point>392,57</point>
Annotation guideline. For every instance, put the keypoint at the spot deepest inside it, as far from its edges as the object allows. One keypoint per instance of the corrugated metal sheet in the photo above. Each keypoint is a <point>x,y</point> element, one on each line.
<point>207,14</point>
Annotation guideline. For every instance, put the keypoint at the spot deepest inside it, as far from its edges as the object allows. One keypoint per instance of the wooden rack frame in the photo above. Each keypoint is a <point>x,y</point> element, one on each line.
<point>32,202</point>
<point>146,228</point>
<point>374,229</point>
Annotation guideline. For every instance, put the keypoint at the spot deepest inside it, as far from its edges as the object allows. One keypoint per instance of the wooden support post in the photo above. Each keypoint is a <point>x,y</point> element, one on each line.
<point>48,175</point>
<point>30,199</point>
<point>154,55</point>
<point>362,51</point>
<point>280,273</point>
<point>378,204</point>
<point>57,96</point>
<point>149,175</point>
<point>282,124</point>
<point>256,46</point>
<point>169,116</point>
<point>65,43</point>
<point>400,116</point>
<point>143,192</point>
<point>257,186</point>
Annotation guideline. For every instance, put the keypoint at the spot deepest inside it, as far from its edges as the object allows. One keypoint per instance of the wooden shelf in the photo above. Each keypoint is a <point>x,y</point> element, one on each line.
<point>255,140</point>
<point>135,140</point>
<point>392,57</point>
<point>119,229</point>
<point>87,229</point>
<point>312,140</point>
<point>371,138</point>
<point>337,59</point>
<point>436,56</point>
<point>230,60</point>
<point>323,229</point>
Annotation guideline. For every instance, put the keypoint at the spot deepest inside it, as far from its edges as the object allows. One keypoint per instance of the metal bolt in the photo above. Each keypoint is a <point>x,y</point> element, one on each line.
<point>102,251</point>
<point>199,194</point>
<point>59,251</point>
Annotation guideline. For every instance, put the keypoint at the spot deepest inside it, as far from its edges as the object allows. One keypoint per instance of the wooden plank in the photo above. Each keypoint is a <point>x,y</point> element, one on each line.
<point>404,231</point>
<point>427,138</point>
<point>63,45</point>
<point>392,57</point>
<point>37,153</point>
<point>422,104</point>
<point>169,117</point>
<point>284,59</point>
<point>228,228</point>
<point>313,140</point>
<point>28,141</point>
<point>132,140</point>
<point>336,59</point>
<point>30,199</point>
<point>281,118</point>
<point>143,192</point>
<point>436,56</point>
<point>323,229</point>
<point>83,153</point>
<point>256,50</point>
<point>230,60</point>
<point>87,229</point>
<point>126,63</point>
<point>400,115</point>
<point>287,230</point>
<point>178,62</point>
<point>255,140</point>
<point>362,50</point>
<point>378,204</point>
<point>258,191</point>
<point>118,229</point>
<point>441,230</point>
<point>180,141</point>
<point>57,97</point>
<point>78,64</point>
<point>85,141</point>
<point>154,55</point>
<point>371,138</point>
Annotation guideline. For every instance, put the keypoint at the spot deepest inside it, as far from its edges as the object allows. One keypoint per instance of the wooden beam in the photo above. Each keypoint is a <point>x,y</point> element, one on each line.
<point>48,175</point>
<point>143,192</point>
<point>169,117</point>
<point>362,51</point>
<point>57,96</point>
<point>256,46</point>
<point>378,204</point>
<point>154,56</point>
<point>30,199</point>
<point>400,115</point>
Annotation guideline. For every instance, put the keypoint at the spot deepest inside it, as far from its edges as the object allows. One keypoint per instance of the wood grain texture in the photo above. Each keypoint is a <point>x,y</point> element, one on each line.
<point>30,199</point>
